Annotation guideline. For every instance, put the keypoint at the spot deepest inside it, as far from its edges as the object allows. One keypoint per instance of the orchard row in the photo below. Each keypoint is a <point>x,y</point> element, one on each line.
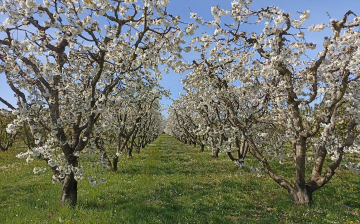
<point>84,84</point>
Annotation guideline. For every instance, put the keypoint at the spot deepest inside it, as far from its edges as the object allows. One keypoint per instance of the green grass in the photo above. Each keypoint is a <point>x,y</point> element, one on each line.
<point>169,182</point>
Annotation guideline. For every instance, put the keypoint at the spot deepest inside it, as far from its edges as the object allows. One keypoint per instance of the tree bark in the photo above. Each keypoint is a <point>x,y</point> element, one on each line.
<point>115,163</point>
<point>69,190</point>
<point>138,149</point>
<point>215,153</point>
<point>129,153</point>
<point>301,196</point>
<point>69,186</point>
<point>202,147</point>
<point>215,150</point>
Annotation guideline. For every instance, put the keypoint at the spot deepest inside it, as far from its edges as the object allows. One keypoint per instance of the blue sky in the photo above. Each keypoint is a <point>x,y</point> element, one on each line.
<point>318,9</point>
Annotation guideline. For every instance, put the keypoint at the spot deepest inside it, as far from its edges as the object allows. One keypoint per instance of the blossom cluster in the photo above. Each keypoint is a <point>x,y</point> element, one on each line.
<point>73,75</point>
<point>264,89</point>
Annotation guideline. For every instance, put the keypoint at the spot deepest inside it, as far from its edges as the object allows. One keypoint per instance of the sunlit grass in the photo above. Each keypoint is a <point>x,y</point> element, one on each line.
<point>169,182</point>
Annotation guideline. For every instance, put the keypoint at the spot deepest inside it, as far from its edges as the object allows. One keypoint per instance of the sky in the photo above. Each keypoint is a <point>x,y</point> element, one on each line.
<point>319,11</point>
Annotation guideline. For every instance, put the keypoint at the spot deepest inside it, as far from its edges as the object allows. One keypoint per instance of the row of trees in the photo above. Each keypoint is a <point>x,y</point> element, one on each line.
<point>82,86</point>
<point>85,74</point>
<point>261,93</point>
<point>8,139</point>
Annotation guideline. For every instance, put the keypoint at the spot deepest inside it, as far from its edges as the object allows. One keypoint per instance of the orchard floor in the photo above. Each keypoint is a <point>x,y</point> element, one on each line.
<point>169,182</point>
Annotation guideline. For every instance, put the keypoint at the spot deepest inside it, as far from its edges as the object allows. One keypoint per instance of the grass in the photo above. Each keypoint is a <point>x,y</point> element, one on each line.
<point>169,182</point>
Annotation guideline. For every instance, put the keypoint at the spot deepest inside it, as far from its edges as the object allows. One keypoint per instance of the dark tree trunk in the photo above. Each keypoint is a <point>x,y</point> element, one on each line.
<point>9,140</point>
<point>129,152</point>
<point>138,146</point>
<point>108,162</point>
<point>202,148</point>
<point>4,148</point>
<point>138,149</point>
<point>69,190</point>
<point>115,163</point>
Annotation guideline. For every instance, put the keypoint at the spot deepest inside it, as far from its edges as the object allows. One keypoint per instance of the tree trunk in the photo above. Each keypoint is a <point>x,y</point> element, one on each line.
<point>215,150</point>
<point>115,163</point>
<point>100,145</point>
<point>69,185</point>
<point>215,153</point>
<point>138,149</point>
<point>3,149</point>
<point>301,197</point>
<point>138,146</point>
<point>69,190</point>
<point>10,140</point>
<point>129,152</point>
<point>108,162</point>
<point>202,148</point>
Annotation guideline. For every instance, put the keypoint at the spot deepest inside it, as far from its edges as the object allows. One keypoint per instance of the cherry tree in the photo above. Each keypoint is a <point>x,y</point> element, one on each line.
<point>6,140</point>
<point>135,123</point>
<point>202,118</point>
<point>276,96</point>
<point>68,60</point>
<point>187,120</point>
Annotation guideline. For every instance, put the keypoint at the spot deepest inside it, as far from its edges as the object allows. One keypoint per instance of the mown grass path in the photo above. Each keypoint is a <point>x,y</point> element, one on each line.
<point>169,182</point>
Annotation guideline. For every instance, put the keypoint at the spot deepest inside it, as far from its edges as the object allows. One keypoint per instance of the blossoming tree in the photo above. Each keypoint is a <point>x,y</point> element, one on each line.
<point>68,60</point>
<point>276,97</point>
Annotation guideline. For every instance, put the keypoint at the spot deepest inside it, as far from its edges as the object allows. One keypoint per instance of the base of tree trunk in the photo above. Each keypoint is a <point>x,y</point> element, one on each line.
<point>202,148</point>
<point>129,153</point>
<point>69,190</point>
<point>215,154</point>
<point>137,150</point>
<point>301,197</point>
<point>115,163</point>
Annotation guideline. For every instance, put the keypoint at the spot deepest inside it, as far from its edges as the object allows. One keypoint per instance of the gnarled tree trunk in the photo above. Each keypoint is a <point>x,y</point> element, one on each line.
<point>301,196</point>
<point>69,186</point>
<point>69,190</point>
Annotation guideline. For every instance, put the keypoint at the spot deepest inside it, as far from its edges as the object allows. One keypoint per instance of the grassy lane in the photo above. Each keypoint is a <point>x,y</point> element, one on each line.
<point>169,182</point>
